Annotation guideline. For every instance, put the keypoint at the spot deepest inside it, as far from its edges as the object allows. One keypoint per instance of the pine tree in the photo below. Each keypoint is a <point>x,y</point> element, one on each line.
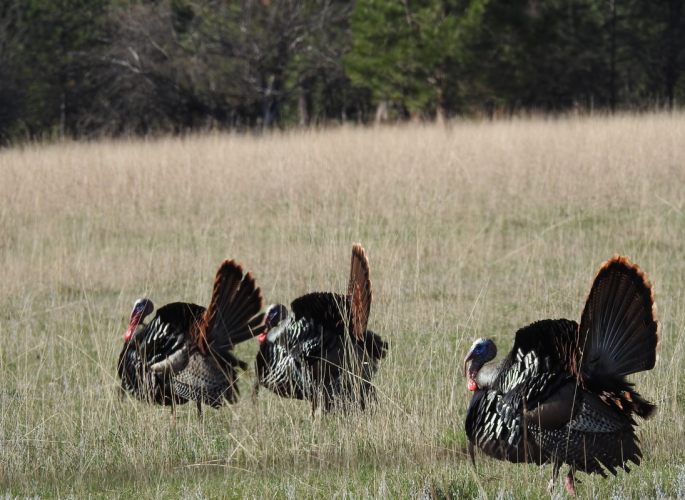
<point>413,53</point>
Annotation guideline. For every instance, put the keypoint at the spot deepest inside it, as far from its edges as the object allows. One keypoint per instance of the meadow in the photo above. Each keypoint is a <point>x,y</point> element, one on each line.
<point>475,229</point>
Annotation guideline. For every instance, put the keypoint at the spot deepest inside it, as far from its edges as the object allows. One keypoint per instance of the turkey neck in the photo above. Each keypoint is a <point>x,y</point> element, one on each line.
<point>487,375</point>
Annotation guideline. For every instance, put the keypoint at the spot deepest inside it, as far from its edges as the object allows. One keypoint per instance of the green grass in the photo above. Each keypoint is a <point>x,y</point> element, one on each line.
<point>475,230</point>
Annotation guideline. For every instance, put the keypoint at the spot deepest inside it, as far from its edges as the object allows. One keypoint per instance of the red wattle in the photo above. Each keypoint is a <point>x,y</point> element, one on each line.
<point>472,384</point>
<point>261,337</point>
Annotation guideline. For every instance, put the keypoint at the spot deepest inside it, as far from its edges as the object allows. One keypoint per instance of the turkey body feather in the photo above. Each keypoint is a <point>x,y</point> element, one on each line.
<point>322,350</point>
<point>560,395</point>
<point>313,358</point>
<point>156,351</point>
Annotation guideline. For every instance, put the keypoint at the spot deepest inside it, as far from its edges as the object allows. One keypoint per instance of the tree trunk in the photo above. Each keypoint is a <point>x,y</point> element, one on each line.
<point>62,115</point>
<point>303,108</point>
<point>382,112</point>
<point>674,19</point>
<point>440,114</point>
<point>612,74</point>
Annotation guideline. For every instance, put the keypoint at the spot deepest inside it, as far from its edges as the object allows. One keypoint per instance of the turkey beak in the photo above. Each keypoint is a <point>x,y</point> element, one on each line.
<point>468,358</point>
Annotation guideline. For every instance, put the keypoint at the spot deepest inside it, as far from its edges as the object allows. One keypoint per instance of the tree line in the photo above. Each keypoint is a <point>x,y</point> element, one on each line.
<point>89,68</point>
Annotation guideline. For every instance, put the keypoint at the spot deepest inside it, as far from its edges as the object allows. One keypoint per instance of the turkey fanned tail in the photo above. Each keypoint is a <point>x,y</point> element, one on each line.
<point>359,293</point>
<point>233,315</point>
<point>619,334</point>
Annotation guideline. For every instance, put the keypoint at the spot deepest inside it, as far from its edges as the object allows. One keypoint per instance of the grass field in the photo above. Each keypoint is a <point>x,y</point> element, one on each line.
<point>473,230</point>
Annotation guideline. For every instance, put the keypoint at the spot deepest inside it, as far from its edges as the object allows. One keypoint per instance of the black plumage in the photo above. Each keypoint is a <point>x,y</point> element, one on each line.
<point>561,394</point>
<point>322,350</point>
<point>185,353</point>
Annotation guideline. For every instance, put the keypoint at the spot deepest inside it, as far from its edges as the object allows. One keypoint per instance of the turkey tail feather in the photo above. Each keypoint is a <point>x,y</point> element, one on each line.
<point>234,313</point>
<point>619,333</point>
<point>359,293</point>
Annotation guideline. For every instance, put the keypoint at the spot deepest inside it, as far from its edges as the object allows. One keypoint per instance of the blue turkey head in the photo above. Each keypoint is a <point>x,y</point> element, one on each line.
<point>273,317</point>
<point>482,351</point>
<point>141,309</point>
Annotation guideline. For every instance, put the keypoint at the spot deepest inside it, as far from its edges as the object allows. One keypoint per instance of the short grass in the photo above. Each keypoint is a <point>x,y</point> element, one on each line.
<point>472,230</point>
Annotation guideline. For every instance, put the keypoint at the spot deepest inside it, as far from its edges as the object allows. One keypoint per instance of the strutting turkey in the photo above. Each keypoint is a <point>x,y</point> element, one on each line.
<point>560,395</point>
<point>321,351</point>
<point>185,352</point>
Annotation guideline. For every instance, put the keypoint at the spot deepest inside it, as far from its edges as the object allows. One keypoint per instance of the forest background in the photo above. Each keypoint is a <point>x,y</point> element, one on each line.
<point>93,68</point>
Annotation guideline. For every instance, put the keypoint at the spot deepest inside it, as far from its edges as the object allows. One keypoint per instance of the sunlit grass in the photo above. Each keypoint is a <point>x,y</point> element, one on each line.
<point>474,230</point>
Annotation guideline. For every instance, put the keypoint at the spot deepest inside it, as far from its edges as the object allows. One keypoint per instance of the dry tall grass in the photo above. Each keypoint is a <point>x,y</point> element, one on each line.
<point>473,230</point>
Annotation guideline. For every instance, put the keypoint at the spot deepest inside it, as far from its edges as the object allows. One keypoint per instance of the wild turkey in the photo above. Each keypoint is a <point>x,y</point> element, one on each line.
<point>321,351</point>
<point>185,352</point>
<point>561,394</point>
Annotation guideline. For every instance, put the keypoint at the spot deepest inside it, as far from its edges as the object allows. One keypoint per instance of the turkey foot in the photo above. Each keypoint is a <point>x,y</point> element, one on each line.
<point>570,484</point>
<point>555,475</point>
<point>199,412</point>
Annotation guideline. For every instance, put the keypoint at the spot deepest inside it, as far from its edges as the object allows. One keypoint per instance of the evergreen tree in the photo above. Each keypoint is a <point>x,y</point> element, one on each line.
<point>51,48</point>
<point>413,53</point>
